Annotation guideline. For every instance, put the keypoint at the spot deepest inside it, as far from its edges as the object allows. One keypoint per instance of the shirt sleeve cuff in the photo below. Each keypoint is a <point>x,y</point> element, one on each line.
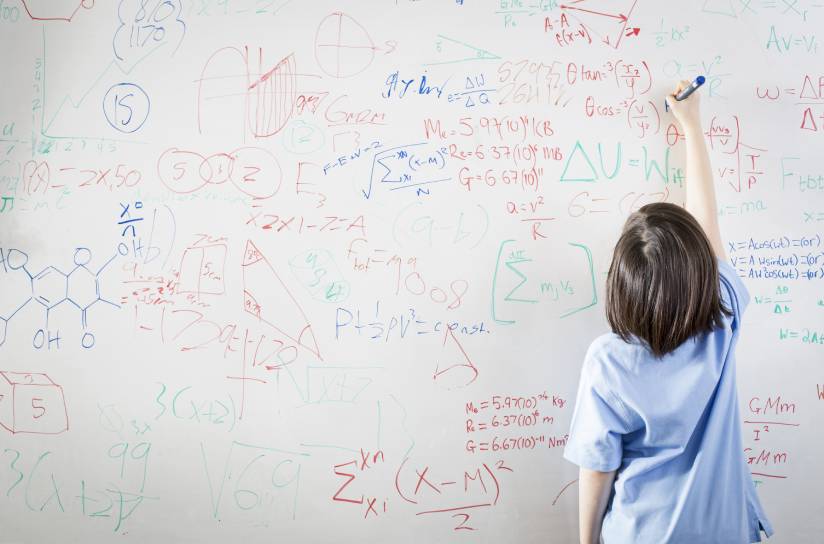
<point>589,461</point>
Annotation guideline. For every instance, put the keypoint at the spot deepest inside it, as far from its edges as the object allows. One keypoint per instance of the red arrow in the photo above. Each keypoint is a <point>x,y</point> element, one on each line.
<point>621,17</point>
<point>633,31</point>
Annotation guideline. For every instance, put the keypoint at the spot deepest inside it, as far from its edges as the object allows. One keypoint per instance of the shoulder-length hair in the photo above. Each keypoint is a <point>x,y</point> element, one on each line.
<point>663,283</point>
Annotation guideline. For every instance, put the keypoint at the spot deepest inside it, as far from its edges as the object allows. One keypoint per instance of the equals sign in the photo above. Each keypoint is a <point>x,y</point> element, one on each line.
<point>789,91</point>
<point>481,426</point>
<point>484,404</point>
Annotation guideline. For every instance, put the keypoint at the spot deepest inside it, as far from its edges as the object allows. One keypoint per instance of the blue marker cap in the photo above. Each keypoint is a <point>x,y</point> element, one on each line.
<point>689,90</point>
<point>686,91</point>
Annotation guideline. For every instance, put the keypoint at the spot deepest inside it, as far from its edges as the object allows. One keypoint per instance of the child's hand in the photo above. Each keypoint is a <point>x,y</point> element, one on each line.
<point>686,111</point>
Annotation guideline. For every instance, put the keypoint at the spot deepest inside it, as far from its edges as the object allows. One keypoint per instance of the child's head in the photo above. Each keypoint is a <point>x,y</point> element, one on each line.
<point>662,285</point>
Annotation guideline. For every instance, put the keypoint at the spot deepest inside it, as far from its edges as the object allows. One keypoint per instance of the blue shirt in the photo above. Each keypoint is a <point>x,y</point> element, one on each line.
<point>672,430</point>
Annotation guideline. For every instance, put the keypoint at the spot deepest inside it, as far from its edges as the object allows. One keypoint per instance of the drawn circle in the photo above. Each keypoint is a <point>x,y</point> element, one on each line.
<point>39,174</point>
<point>82,256</point>
<point>16,259</point>
<point>343,48</point>
<point>301,137</point>
<point>169,13</point>
<point>277,468</point>
<point>87,4</point>
<point>87,341</point>
<point>179,170</point>
<point>217,168</point>
<point>126,107</point>
<point>255,172</point>
<point>442,295</point>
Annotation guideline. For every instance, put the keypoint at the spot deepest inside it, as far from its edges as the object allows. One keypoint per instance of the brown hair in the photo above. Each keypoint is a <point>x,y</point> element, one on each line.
<point>663,285</point>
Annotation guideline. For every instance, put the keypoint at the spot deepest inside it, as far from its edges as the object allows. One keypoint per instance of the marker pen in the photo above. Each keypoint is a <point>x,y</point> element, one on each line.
<point>686,91</point>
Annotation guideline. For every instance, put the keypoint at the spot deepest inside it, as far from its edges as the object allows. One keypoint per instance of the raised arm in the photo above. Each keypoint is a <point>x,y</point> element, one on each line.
<point>700,201</point>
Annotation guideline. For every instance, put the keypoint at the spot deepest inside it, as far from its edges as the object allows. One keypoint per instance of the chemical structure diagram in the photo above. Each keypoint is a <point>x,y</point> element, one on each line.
<point>49,288</point>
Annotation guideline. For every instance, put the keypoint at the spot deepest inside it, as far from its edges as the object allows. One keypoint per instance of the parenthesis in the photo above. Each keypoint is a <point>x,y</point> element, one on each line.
<point>497,485</point>
<point>397,484</point>
<point>629,111</point>
<point>737,132</point>
<point>409,161</point>
<point>234,413</point>
<point>395,224</point>
<point>486,226</point>
<point>615,72</point>
<point>649,76</point>
<point>657,115</point>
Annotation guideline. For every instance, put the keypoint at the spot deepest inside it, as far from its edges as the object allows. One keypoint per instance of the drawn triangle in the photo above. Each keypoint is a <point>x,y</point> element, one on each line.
<point>583,170</point>
<point>452,51</point>
<point>808,121</point>
<point>808,91</point>
<point>266,297</point>
<point>603,18</point>
<point>469,101</point>
<point>719,7</point>
<point>457,369</point>
<point>469,84</point>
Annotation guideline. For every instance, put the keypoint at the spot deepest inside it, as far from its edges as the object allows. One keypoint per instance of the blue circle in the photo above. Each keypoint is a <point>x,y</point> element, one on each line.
<point>126,107</point>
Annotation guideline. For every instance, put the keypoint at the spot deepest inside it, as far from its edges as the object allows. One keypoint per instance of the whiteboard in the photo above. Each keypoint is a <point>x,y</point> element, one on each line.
<point>323,272</point>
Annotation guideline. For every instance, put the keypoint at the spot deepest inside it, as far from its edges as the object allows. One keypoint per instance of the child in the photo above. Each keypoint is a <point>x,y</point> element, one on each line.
<point>656,429</point>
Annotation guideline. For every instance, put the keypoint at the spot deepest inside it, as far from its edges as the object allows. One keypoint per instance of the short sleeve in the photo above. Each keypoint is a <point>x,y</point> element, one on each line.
<point>598,424</point>
<point>734,293</point>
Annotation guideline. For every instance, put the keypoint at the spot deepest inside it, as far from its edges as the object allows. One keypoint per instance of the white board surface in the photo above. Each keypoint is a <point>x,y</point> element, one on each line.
<point>326,271</point>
